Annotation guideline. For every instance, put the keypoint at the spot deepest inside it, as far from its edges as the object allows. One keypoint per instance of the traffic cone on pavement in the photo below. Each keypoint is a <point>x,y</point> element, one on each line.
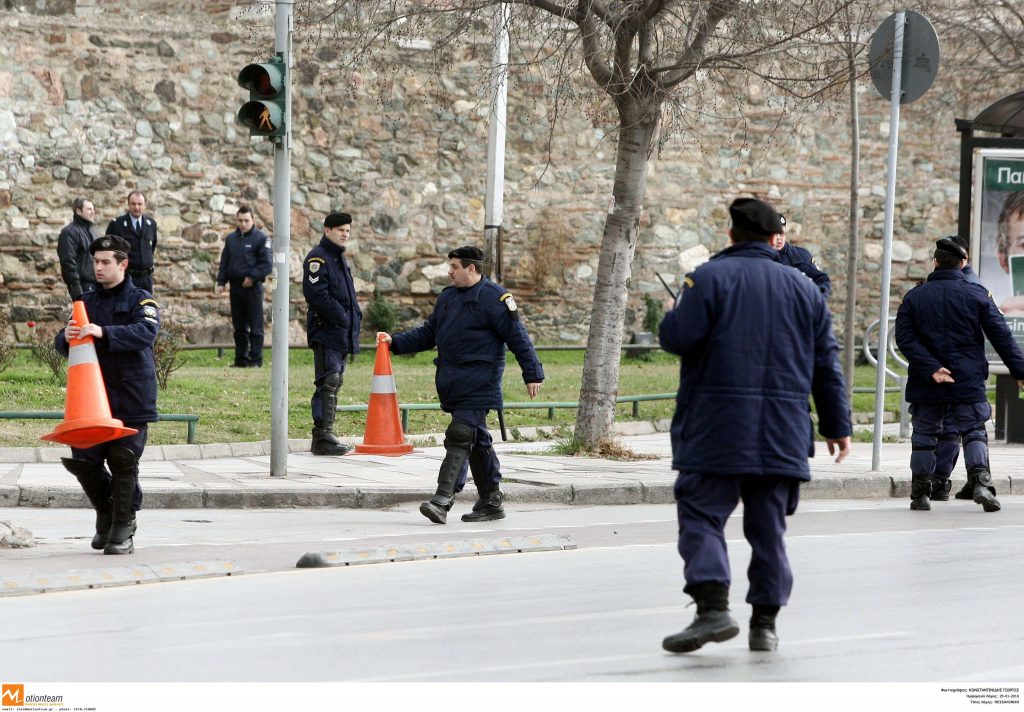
<point>87,419</point>
<point>383,426</point>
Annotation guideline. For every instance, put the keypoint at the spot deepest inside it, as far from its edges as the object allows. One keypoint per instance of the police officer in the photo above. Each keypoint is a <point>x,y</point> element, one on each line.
<point>140,231</point>
<point>244,264</point>
<point>941,328</point>
<point>73,249</point>
<point>472,322</point>
<point>124,322</point>
<point>790,254</point>
<point>755,339</point>
<point>332,326</point>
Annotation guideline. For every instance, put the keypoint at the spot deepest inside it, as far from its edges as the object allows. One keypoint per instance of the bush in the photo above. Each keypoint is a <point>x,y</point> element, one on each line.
<point>652,314</point>
<point>167,352</point>
<point>45,353</point>
<point>382,314</point>
<point>6,346</point>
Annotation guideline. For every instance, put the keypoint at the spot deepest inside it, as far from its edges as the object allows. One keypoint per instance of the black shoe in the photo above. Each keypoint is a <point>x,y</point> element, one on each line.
<point>965,492</point>
<point>940,489</point>
<point>707,627</point>
<point>920,488</point>
<point>437,512</point>
<point>323,447</point>
<point>921,503</point>
<point>487,509</point>
<point>122,539</point>
<point>983,496</point>
<point>103,523</point>
<point>762,635</point>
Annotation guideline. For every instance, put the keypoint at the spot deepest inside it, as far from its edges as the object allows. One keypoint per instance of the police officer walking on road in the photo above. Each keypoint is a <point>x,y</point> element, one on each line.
<point>124,322</point>
<point>755,340</point>
<point>244,264</point>
<point>332,326</point>
<point>471,325</point>
<point>140,231</point>
<point>941,328</point>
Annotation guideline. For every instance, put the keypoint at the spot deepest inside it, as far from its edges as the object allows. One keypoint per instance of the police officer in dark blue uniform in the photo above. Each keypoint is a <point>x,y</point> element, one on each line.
<point>140,231</point>
<point>790,254</point>
<point>332,326</point>
<point>124,322</point>
<point>755,340</point>
<point>244,264</point>
<point>941,328</point>
<point>471,325</point>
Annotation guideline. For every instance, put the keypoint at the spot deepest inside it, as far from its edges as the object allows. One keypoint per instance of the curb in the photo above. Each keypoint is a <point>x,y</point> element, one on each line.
<point>438,550</point>
<point>116,576</point>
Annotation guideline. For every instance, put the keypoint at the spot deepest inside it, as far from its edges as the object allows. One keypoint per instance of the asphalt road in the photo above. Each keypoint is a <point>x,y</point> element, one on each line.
<point>882,594</point>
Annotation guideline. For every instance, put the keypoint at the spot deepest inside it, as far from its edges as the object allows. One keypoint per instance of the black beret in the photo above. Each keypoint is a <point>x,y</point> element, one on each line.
<point>112,243</point>
<point>755,216</point>
<point>467,254</point>
<point>337,220</point>
<point>953,245</point>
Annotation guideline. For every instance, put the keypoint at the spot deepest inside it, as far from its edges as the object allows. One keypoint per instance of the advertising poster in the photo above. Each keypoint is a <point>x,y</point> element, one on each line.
<point>997,238</point>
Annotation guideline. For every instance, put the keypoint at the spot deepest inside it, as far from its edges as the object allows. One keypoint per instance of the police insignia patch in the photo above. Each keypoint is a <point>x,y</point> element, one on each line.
<point>314,266</point>
<point>144,302</point>
<point>510,303</point>
<point>149,311</point>
<point>313,280</point>
<point>687,283</point>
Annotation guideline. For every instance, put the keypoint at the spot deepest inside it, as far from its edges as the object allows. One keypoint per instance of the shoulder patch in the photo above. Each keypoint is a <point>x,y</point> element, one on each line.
<point>688,282</point>
<point>149,301</point>
<point>314,266</point>
<point>510,303</point>
<point>316,259</point>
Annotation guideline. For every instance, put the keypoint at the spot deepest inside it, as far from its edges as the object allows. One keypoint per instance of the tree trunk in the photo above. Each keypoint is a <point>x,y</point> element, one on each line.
<point>850,323</point>
<point>601,364</point>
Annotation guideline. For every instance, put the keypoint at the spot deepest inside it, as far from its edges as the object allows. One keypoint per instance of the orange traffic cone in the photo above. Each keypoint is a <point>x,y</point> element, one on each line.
<point>383,426</point>
<point>87,420</point>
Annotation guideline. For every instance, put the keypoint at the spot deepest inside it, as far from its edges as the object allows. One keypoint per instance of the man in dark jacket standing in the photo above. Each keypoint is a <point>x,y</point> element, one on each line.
<point>124,322</point>
<point>790,254</point>
<point>73,249</point>
<point>332,326</point>
<point>471,324</point>
<point>244,264</point>
<point>140,231</point>
<point>755,340</point>
<point>941,328</point>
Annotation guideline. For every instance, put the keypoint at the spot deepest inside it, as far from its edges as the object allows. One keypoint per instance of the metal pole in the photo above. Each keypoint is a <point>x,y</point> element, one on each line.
<point>281,250</point>
<point>493,201</point>
<point>890,205</point>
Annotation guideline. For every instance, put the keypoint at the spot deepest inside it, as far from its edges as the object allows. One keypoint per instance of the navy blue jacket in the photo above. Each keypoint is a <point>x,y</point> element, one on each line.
<point>143,242</point>
<point>943,323</point>
<point>131,321</point>
<point>470,327</point>
<point>244,256</point>
<point>800,258</point>
<point>756,340</point>
<point>333,318</point>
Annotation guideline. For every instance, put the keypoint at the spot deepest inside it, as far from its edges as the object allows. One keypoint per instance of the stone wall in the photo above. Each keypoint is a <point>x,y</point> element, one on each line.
<point>115,100</point>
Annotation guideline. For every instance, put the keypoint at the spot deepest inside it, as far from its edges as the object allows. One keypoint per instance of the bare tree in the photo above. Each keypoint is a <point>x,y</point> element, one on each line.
<point>656,67</point>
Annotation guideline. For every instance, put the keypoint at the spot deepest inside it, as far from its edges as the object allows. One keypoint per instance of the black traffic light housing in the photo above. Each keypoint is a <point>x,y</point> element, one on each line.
<point>265,111</point>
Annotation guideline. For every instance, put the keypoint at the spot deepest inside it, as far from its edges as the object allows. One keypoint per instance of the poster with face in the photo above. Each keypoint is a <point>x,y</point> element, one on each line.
<point>997,238</point>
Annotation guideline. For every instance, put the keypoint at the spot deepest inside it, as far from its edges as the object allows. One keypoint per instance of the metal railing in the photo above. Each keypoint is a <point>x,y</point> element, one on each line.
<point>59,415</point>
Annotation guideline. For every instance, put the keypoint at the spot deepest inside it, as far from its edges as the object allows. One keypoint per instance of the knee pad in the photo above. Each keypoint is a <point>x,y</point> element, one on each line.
<point>459,435</point>
<point>977,434</point>
<point>332,382</point>
<point>80,467</point>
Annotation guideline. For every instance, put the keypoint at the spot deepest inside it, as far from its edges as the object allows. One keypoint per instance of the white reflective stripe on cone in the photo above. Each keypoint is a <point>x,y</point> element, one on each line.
<point>383,384</point>
<point>83,353</point>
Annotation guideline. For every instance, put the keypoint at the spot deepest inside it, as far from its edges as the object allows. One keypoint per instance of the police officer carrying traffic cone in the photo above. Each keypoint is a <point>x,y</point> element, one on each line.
<point>124,321</point>
<point>472,322</point>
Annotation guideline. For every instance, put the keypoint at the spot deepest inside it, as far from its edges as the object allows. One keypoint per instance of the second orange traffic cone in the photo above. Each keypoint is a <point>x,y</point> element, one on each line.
<point>383,426</point>
<point>87,419</point>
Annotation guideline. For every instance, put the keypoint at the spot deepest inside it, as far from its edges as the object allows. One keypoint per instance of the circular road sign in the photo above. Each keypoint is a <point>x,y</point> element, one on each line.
<point>920,56</point>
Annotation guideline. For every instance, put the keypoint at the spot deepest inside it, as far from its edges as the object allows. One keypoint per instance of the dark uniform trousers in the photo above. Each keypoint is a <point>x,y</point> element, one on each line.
<point>483,462</point>
<point>932,423</point>
<point>703,505</point>
<point>97,455</point>
<point>325,362</point>
<point>247,322</point>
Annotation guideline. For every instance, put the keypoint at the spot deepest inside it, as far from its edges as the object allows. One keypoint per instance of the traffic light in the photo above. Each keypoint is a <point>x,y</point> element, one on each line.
<point>264,113</point>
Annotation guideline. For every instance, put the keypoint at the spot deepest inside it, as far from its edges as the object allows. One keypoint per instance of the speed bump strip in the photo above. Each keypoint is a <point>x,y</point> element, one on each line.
<point>115,576</point>
<point>435,550</point>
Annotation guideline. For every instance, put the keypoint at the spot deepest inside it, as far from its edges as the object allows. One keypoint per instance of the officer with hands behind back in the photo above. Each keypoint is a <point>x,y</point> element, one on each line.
<point>124,322</point>
<point>755,340</point>
<point>332,326</point>
<point>244,264</point>
<point>472,322</point>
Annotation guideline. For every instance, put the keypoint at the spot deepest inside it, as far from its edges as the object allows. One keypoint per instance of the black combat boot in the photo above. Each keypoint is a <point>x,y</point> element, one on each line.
<point>762,629</point>
<point>967,491</point>
<point>324,440</point>
<point>487,508</point>
<point>920,488</point>
<point>940,489</point>
<point>458,439</point>
<point>95,482</point>
<point>984,493</point>
<point>713,624</point>
<point>124,469</point>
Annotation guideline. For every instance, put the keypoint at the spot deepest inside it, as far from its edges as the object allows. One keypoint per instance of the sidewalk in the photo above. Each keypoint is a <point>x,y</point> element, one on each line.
<point>238,475</point>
